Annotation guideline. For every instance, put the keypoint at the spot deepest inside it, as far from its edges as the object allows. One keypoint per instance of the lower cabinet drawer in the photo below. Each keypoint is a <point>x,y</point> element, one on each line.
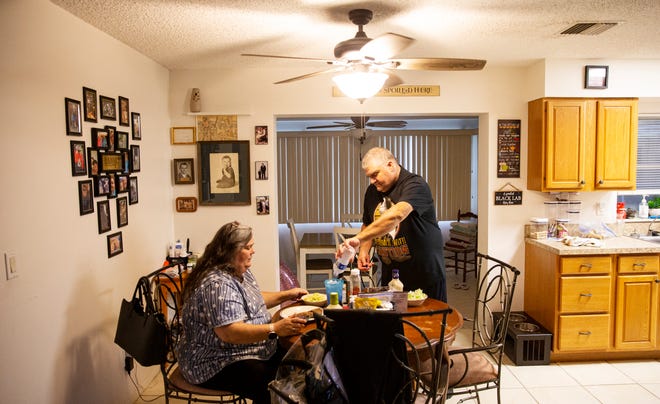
<point>582,294</point>
<point>584,332</point>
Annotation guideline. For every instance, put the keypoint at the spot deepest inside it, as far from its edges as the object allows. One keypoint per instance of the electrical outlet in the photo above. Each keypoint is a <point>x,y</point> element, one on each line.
<point>128,364</point>
<point>10,265</point>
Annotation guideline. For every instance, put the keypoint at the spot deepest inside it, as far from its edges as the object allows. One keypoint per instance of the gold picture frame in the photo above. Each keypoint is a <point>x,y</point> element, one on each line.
<point>183,135</point>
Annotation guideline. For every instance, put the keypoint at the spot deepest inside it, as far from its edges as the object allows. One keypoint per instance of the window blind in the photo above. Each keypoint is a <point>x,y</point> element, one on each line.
<point>320,176</point>
<point>648,158</point>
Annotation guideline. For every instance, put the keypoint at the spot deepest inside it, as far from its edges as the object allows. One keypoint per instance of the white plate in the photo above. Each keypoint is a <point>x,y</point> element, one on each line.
<point>293,310</point>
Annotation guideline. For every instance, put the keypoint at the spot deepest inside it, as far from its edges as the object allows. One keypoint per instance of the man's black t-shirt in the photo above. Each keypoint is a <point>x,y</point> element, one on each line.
<point>415,246</point>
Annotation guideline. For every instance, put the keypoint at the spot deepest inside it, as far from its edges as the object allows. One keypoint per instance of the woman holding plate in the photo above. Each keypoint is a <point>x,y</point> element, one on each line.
<point>228,341</point>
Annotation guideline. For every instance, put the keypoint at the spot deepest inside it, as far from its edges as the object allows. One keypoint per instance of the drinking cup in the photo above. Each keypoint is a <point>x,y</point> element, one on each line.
<point>334,285</point>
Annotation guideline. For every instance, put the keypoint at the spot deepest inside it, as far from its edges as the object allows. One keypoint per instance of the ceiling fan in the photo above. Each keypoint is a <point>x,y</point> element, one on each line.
<point>362,122</point>
<point>362,53</point>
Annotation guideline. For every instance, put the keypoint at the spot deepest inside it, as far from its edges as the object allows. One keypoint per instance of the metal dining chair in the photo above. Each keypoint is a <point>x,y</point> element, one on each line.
<point>313,265</point>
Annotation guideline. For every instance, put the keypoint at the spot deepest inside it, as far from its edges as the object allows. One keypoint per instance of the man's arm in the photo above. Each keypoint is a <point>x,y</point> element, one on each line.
<point>386,222</point>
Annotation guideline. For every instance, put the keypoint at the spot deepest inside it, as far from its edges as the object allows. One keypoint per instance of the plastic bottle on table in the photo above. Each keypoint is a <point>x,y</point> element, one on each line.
<point>355,282</point>
<point>334,302</point>
<point>395,284</point>
<point>342,262</point>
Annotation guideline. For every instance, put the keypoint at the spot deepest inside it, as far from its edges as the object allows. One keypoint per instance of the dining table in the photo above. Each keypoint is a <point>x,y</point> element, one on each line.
<point>430,324</point>
<point>311,244</point>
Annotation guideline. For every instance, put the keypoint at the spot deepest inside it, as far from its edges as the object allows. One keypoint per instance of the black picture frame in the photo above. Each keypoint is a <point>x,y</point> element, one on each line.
<point>108,108</point>
<point>133,196</point>
<point>101,185</point>
<point>112,194</point>
<point>90,105</point>
<point>126,161</point>
<point>183,171</point>
<point>260,170</point>
<point>122,183</point>
<point>220,162</point>
<point>136,128</point>
<point>122,211</point>
<point>100,139</point>
<point>124,114</point>
<point>115,244</point>
<point>122,141</point>
<point>112,137</point>
<point>596,77</point>
<point>93,161</point>
<point>78,158</point>
<point>261,134</point>
<point>103,215</point>
<point>135,158</point>
<point>73,117</point>
<point>86,197</point>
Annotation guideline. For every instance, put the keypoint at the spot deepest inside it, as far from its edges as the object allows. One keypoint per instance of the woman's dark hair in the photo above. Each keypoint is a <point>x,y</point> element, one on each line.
<point>218,254</point>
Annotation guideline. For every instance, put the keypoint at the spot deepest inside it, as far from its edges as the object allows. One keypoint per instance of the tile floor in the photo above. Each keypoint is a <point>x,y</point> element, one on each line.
<point>615,382</point>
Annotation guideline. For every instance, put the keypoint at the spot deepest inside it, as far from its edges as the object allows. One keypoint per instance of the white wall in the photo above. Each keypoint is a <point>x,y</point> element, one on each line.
<point>59,316</point>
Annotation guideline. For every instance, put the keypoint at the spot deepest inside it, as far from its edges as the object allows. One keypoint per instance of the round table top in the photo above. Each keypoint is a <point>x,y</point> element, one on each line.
<point>430,324</point>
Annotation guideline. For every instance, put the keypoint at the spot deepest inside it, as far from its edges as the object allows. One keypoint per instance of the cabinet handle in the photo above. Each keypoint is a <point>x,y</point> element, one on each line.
<point>639,264</point>
<point>582,182</point>
<point>586,265</point>
<point>600,182</point>
<point>586,294</point>
<point>657,281</point>
<point>584,332</point>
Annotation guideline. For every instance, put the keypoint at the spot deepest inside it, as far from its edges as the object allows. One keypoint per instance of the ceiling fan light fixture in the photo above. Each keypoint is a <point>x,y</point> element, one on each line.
<point>360,85</point>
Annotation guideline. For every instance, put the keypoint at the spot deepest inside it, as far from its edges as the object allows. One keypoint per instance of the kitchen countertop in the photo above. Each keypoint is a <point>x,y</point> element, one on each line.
<point>614,245</point>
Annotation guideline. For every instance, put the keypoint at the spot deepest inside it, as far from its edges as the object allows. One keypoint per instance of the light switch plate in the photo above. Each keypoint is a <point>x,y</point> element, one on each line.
<point>10,266</point>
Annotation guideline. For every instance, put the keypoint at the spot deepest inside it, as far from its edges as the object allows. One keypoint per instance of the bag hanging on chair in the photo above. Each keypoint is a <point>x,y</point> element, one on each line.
<point>141,330</point>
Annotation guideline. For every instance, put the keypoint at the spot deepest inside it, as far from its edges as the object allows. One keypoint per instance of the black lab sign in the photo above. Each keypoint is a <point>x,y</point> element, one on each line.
<point>508,197</point>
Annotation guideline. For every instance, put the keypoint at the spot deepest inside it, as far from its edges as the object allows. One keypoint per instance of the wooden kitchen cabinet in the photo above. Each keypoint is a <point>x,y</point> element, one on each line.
<point>582,144</point>
<point>597,307</point>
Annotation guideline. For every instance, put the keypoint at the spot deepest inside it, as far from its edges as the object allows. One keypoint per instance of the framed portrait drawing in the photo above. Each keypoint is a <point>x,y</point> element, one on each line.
<point>186,204</point>
<point>184,171</point>
<point>183,135</point>
<point>261,135</point>
<point>115,244</point>
<point>122,211</point>
<point>224,172</point>
<point>135,158</point>
<point>132,190</point>
<point>108,108</point>
<point>101,185</point>
<point>263,205</point>
<point>90,105</point>
<point>260,170</point>
<point>103,214</point>
<point>86,197</point>
<point>595,76</point>
<point>93,161</point>
<point>124,116</point>
<point>100,139</point>
<point>78,159</point>
<point>136,129</point>
<point>73,117</point>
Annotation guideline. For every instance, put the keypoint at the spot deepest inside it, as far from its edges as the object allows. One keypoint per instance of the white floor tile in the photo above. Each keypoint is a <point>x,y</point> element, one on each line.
<point>654,388</point>
<point>640,371</point>
<point>542,376</point>
<point>624,393</point>
<point>508,396</point>
<point>562,395</point>
<point>595,373</point>
<point>509,381</point>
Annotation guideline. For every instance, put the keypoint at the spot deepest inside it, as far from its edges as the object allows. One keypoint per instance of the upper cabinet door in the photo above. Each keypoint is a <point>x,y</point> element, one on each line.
<point>566,130</point>
<point>616,144</point>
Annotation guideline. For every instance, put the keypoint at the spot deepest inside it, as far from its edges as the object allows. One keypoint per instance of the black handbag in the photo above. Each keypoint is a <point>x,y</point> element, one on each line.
<point>141,330</point>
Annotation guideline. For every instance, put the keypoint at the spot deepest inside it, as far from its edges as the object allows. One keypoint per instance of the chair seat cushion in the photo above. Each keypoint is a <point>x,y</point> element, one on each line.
<point>177,380</point>
<point>470,368</point>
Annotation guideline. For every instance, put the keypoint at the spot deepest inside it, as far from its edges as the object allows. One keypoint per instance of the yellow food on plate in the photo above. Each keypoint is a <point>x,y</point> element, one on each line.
<point>417,294</point>
<point>366,303</point>
<point>314,297</point>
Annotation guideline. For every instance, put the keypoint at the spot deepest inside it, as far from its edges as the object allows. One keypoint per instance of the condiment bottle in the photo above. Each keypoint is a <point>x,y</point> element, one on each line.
<point>334,302</point>
<point>355,282</point>
<point>395,284</point>
<point>342,263</point>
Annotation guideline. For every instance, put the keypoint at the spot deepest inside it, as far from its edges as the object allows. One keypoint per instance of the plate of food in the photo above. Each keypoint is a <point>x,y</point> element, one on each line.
<point>306,312</point>
<point>416,297</point>
<point>315,299</point>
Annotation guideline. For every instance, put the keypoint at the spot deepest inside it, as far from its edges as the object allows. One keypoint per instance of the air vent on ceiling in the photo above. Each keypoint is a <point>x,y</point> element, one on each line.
<point>589,28</point>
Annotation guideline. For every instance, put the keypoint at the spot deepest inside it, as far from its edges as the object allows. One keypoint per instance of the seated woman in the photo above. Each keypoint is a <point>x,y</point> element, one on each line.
<point>228,341</point>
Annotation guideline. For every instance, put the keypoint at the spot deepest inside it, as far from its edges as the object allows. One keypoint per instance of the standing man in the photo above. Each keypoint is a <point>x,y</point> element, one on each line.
<point>399,220</point>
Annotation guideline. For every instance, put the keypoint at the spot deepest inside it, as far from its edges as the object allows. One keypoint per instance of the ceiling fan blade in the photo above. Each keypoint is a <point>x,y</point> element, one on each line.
<point>308,75</point>
<point>338,125</point>
<point>439,64</point>
<point>387,124</point>
<point>385,46</point>
<point>328,61</point>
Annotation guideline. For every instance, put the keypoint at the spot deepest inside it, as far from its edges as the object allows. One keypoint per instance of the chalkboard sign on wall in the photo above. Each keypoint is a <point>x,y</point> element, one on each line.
<point>508,148</point>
